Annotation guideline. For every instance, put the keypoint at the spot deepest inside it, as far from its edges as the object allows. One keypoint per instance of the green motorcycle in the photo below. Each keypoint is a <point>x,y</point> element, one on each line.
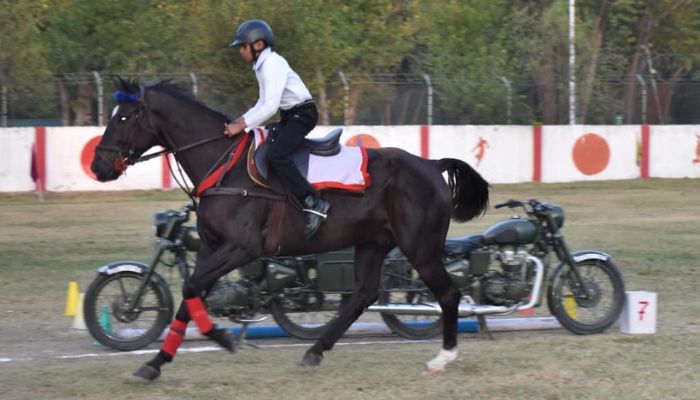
<point>507,269</point>
<point>129,304</point>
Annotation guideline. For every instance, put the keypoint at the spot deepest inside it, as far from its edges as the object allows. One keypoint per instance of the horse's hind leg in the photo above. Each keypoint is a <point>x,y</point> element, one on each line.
<point>421,239</point>
<point>369,258</point>
<point>433,274</point>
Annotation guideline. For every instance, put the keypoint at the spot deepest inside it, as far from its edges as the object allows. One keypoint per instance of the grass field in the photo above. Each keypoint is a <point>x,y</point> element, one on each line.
<point>652,229</point>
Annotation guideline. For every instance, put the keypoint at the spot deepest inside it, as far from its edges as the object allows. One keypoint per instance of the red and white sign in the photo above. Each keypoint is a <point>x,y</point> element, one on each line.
<point>639,313</point>
<point>587,152</point>
<point>502,154</point>
<point>69,154</point>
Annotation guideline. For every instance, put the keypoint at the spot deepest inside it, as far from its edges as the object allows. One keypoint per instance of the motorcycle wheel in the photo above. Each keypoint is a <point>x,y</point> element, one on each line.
<point>305,315</point>
<point>111,324</point>
<point>595,314</point>
<point>400,284</point>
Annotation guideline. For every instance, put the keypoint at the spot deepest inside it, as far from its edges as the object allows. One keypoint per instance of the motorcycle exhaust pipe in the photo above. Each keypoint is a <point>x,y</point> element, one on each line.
<point>467,309</point>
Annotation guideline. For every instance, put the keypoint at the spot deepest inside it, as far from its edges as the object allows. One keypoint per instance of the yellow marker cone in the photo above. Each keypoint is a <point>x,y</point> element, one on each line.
<point>72,299</point>
<point>79,321</point>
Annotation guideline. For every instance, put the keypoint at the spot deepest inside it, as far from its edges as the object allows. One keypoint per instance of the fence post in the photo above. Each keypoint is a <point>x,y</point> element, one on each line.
<point>346,97</point>
<point>195,88</point>
<point>430,99</point>
<point>509,99</point>
<point>3,94</point>
<point>100,98</point>
<point>644,98</point>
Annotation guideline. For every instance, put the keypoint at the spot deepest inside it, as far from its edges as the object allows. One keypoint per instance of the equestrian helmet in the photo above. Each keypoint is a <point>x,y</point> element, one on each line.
<point>253,30</point>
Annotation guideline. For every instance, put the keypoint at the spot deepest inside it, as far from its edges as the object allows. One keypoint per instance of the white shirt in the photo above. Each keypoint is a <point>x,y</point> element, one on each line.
<point>280,87</point>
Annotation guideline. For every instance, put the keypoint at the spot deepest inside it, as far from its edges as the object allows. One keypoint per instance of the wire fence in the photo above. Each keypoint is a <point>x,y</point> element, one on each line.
<point>373,99</point>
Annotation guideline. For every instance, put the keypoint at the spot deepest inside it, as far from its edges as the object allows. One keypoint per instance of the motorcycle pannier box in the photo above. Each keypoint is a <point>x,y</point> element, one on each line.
<point>336,271</point>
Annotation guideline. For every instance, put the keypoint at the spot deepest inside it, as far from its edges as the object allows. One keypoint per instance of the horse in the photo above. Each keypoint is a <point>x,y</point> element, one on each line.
<point>409,204</point>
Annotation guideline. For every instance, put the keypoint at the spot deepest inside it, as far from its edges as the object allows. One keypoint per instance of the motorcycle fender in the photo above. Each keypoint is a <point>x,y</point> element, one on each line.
<point>122,266</point>
<point>590,255</point>
<point>579,256</point>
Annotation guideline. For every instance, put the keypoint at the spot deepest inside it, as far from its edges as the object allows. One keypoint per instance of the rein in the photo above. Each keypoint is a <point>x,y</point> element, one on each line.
<point>213,177</point>
<point>175,151</point>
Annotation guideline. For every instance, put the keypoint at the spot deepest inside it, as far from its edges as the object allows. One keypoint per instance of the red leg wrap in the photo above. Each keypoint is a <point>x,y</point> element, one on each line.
<point>174,339</point>
<point>195,306</point>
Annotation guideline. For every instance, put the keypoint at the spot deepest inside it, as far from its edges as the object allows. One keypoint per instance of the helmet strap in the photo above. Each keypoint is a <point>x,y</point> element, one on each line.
<point>256,53</point>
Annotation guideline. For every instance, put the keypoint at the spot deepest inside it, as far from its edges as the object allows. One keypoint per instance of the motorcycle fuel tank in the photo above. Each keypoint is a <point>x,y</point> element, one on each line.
<point>512,231</point>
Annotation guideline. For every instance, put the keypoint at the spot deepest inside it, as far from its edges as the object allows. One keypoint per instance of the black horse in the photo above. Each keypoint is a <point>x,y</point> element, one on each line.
<point>408,204</point>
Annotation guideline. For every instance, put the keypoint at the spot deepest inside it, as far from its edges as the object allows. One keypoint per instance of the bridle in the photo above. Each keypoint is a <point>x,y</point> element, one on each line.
<point>126,150</point>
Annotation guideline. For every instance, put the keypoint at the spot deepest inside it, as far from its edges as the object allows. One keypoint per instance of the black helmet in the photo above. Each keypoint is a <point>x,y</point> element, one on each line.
<point>252,31</point>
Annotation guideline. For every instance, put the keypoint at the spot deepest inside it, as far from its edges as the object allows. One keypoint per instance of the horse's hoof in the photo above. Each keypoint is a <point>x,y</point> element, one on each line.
<point>437,365</point>
<point>223,338</point>
<point>311,359</point>
<point>430,370</point>
<point>147,372</point>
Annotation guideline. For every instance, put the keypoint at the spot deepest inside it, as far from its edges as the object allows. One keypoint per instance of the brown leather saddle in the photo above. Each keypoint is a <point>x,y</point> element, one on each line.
<point>258,166</point>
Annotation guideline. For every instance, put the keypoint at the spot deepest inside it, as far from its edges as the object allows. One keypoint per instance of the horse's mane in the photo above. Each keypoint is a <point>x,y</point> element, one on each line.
<point>170,88</point>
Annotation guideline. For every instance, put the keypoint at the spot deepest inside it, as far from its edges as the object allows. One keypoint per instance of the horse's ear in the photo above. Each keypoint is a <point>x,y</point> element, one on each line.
<point>121,84</point>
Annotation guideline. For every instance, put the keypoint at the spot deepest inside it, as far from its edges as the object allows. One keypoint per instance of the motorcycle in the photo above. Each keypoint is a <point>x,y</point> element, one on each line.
<point>129,304</point>
<point>504,270</point>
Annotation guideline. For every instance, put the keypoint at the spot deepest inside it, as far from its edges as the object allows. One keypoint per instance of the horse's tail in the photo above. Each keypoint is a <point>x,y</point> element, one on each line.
<point>470,192</point>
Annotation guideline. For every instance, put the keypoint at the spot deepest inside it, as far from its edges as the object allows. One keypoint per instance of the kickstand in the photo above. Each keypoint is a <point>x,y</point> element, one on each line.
<point>241,340</point>
<point>483,328</point>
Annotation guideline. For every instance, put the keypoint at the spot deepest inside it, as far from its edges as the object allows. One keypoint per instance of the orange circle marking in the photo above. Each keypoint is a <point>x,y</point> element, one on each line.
<point>591,154</point>
<point>88,154</point>
<point>363,140</point>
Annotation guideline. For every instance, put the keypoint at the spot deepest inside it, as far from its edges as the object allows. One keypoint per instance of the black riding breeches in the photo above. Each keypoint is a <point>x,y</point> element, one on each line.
<point>295,124</point>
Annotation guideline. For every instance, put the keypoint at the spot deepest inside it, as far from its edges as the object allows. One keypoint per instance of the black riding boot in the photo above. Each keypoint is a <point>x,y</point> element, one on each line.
<point>316,210</point>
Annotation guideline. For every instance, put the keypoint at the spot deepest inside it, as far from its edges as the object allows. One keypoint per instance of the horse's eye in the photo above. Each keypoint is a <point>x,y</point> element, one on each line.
<point>123,118</point>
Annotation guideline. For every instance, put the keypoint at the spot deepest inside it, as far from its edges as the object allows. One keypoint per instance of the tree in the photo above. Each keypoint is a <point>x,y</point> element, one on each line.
<point>22,58</point>
<point>128,36</point>
<point>467,56</point>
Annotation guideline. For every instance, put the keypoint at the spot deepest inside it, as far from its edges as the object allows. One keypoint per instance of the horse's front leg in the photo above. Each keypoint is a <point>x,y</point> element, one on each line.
<point>209,268</point>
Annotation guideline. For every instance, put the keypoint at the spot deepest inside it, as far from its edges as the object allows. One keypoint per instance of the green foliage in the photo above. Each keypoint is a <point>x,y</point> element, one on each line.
<point>466,46</point>
<point>127,35</point>
<point>467,56</point>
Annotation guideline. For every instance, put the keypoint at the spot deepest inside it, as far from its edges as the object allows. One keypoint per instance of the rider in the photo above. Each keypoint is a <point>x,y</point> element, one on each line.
<point>280,88</point>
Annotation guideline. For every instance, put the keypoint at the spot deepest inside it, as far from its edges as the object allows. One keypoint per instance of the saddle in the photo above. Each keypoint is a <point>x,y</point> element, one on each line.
<point>314,155</point>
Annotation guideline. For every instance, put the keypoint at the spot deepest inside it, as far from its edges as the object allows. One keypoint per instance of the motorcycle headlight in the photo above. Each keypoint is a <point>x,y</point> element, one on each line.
<point>557,214</point>
<point>160,222</point>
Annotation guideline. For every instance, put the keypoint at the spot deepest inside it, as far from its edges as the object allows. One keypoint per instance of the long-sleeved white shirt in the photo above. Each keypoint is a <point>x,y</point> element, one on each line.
<point>280,87</point>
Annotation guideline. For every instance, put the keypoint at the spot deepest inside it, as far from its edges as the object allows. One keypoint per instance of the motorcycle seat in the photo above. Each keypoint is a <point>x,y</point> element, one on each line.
<point>458,246</point>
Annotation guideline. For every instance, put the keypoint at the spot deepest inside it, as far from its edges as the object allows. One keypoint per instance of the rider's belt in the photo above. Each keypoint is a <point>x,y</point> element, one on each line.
<point>302,105</point>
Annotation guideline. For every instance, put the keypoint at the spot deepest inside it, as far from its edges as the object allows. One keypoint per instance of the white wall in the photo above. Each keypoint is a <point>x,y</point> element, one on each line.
<point>675,151</point>
<point>503,154</point>
<point>505,151</point>
<point>15,159</point>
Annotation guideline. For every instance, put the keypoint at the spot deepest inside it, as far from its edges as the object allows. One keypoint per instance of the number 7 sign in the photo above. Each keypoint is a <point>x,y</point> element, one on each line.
<point>639,313</point>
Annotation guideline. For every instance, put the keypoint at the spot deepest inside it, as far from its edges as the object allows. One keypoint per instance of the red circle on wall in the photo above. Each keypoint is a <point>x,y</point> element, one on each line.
<point>88,154</point>
<point>591,154</point>
<point>363,140</point>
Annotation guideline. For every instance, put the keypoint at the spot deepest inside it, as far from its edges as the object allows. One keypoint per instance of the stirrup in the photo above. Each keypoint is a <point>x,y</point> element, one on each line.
<point>311,211</point>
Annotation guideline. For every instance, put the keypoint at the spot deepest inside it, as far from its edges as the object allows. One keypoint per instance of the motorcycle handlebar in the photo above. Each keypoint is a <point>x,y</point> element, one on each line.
<point>535,205</point>
<point>510,204</point>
